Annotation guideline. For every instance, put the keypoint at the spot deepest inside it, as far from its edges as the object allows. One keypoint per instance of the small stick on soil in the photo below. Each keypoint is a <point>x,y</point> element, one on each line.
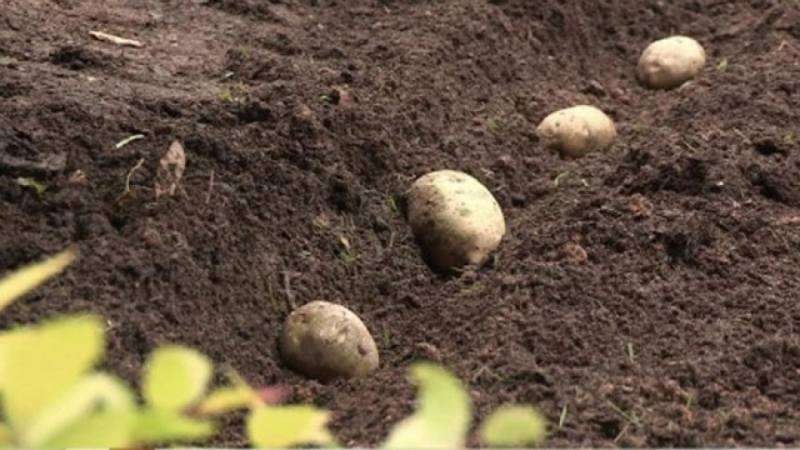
<point>743,136</point>
<point>100,36</point>
<point>622,433</point>
<point>210,187</point>
<point>127,190</point>
<point>630,417</point>
<point>391,240</point>
<point>563,417</point>
<point>287,289</point>
<point>484,369</point>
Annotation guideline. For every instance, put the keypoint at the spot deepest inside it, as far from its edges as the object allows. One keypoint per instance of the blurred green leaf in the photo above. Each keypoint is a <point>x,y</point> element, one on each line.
<point>32,184</point>
<point>97,406</point>
<point>26,279</point>
<point>228,399</point>
<point>443,412</point>
<point>5,341</point>
<point>175,377</point>
<point>513,426</point>
<point>100,430</point>
<point>288,426</point>
<point>158,426</point>
<point>5,435</point>
<point>238,395</point>
<point>40,364</point>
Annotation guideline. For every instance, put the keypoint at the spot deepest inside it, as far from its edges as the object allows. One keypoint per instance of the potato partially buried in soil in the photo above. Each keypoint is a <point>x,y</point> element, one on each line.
<point>455,219</point>
<point>670,62</point>
<point>324,341</point>
<point>577,131</point>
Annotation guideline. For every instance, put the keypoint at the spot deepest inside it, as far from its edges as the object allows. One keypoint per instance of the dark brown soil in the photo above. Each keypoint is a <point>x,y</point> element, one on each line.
<point>305,120</point>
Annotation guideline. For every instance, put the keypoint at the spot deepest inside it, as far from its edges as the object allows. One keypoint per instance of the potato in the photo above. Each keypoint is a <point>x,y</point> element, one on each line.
<point>454,218</point>
<point>577,131</point>
<point>670,62</point>
<point>324,341</point>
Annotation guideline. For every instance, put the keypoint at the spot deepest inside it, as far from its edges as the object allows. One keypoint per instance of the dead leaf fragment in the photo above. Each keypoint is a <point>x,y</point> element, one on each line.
<point>341,96</point>
<point>170,170</point>
<point>78,177</point>
<point>640,206</point>
<point>787,220</point>
<point>116,40</point>
<point>574,253</point>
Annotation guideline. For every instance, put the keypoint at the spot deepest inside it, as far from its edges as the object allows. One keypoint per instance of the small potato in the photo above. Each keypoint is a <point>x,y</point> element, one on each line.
<point>324,341</point>
<point>454,218</point>
<point>670,62</point>
<point>577,131</point>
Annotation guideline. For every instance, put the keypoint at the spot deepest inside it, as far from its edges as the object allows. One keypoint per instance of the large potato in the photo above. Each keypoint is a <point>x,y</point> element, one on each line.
<point>577,131</point>
<point>454,218</point>
<point>325,341</point>
<point>670,62</point>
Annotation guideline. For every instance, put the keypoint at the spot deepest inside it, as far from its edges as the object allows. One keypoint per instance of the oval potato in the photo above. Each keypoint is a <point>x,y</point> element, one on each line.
<point>455,219</point>
<point>324,341</point>
<point>577,131</point>
<point>670,62</point>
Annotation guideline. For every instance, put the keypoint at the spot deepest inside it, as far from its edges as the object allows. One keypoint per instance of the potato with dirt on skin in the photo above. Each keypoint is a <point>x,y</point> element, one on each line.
<point>577,131</point>
<point>324,341</point>
<point>455,219</point>
<point>670,62</point>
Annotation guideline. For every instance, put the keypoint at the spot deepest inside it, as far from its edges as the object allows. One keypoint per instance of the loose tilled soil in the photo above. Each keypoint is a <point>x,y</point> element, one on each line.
<point>651,292</point>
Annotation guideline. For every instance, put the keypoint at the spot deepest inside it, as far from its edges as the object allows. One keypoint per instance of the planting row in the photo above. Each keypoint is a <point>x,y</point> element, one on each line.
<point>457,221</point>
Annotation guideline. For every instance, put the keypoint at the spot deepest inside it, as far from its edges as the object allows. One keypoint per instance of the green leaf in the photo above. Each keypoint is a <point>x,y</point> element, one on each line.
<point>228,399</point>
<point>513,426</point>
<point>5,340</point>
<point>238,395</point>
<point>5,435</point>
<point>175,377</point>
<point>99,430</point>
<point>288,426</point>
<point>26,279</point>
<point>443,412</point>
<point>40,364</point>
<point>92,394</point>
<point>157,426</point>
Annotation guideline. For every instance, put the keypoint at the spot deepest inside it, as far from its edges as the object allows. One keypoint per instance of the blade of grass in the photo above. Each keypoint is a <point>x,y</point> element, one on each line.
<point>128,140</point>
<point>562,418</point>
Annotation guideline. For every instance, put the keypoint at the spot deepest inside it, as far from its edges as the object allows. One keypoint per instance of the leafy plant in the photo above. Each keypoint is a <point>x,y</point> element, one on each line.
<point>443,412</point>
<point>513,426</point>
<point>52,397</point>
<point>443,417</point>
